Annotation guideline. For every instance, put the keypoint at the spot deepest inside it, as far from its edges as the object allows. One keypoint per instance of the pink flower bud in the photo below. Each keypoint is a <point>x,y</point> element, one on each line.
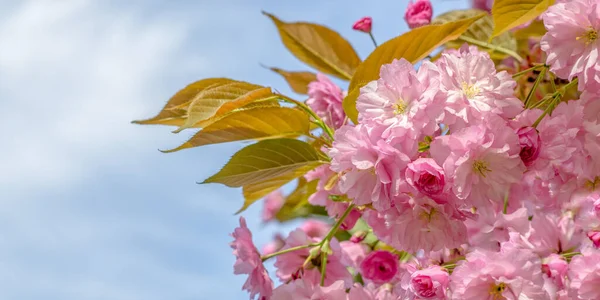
<point>379,266</point>
<point>430,283</point>
<point>275,245</point>
<point>425,175</point>
<point>364,24</point>
<point>556,268</point>
<point>530,143</point>
<point>358,236</point>
<point>483,4</point>
<point>273,203</point>
<point>418,13</point>
<point>594,236</point>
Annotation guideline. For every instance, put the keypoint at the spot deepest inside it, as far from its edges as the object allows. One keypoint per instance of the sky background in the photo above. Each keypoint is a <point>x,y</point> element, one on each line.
<point>89,209</point>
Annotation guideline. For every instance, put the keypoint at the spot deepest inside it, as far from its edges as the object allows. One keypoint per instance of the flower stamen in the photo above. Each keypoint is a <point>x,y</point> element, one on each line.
<point>399,107</point>
<point>496,290</point>
<point>481,167</point>
<point>590,36</point>
<point>470,90</point>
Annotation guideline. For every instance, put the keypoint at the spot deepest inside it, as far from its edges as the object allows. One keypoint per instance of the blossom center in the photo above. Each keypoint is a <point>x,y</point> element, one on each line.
<point>399,107</point>
<point>496,290</point>
<point>481,167</point>
<point>470,90</point>
<point>589,36</point>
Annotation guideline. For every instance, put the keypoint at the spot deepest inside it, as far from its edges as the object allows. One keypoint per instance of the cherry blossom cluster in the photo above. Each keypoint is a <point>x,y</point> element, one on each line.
<point>468,191</point>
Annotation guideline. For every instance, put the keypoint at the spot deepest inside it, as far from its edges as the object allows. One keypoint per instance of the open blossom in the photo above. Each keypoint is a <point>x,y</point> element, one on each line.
<point>555,267</point>
<point>365,25</point>
<point>571,42</point>
<point>418,13</point>
<point>273,203</point>
<point>509,274</point>
<point>371,167</point>
<point>306,290</point>
<point>290,265</point>
<point>325,98</point>
<point>315,228</point>
<point>372,292</point>
<point>321,196</point>
<point>483,161</point>
<point>249,262</point>
<point>402,96</point>
<point>473,88</point>
<point>584,273</point>
<point>379,266</point>
<point>273,246</point>
<point>436,228</point>
<point>492,227</point>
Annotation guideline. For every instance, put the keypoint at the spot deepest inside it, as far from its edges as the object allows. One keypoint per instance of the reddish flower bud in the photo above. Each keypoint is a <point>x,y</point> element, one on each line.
<point>364,24</point>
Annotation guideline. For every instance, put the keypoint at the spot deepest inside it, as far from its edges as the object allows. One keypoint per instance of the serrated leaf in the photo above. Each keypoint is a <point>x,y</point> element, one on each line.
<point>296,204</point>
<point>254,123</point>
<point>175,111</point>
<point>266,160</point>
<point>508,14</point>
<point>221,98</point>
<point>298,81</point>
<point>412,46</point>
<point>480,30</point>
<point>319,47</point>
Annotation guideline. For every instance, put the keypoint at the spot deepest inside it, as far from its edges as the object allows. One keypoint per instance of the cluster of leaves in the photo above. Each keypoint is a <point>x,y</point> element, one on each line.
<point>288,144</point>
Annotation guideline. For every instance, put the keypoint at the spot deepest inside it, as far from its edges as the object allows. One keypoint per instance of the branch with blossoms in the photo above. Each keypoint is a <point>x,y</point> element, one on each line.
<point>475,175</point>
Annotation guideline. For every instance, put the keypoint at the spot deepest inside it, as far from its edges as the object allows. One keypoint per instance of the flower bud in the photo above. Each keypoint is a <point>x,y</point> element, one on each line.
<point>418,13</point>
<point>364,24</point>
<point>530,143</point>
<point>426,176</point>
<point>379,266</point>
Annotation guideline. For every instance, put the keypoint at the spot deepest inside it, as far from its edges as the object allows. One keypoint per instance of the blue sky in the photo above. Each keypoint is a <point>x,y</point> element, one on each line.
<point>89,208</point>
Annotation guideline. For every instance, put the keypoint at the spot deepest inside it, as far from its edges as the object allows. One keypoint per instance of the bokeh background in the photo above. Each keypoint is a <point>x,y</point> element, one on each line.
<point>89,208</point>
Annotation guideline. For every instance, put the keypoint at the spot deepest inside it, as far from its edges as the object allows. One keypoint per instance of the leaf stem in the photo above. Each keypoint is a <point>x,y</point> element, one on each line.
<point>323,267</point>
<point>492,47</point>
<point>284,251</point>
<point>527,70</point>
<point>373,39</point>
<point>307,109</point>
<point>534,88</point>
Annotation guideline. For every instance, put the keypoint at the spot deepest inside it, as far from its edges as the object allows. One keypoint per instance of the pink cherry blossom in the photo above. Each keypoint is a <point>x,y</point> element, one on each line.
<point>291,263</point>
<point>248,261</point>
<point>584,273</point>
<point>483,161</point>
<point>555,267</point>
<point>321,196</point>
<point>315,228</point>
<point>426,176</point>
<point>402,96</point>
<point>372,292</point>
<point>492,227</point>
<point>364,24</point>
<point>379,266</point>
<point>509,274</point>
<point>571,42</point>
<point>371,168</point>
<point>273,246</point>
<point>473,88</point>
<point>418,13</point>
<point>530,143</point>
<point>273,203</point>
<point>306,290</point>
<point>426,283</point>
<point>412,227</point>
<point>353,253</point>
<point>553,234</point>
<point>325,98</point>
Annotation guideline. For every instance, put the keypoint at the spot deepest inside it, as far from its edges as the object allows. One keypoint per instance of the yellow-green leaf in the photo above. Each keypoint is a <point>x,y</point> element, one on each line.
<point>254,123</point>
<point>509,14</point>
<point>254,192</point>
<point>221,98</point>
<point>319,47</point>
<point>535,30</point>
<point>298,81</point>
<point>412,46</point>
<point>481,30</point>
<point>296,204</point>
<point>175,111</point>
<point>266,160</point>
